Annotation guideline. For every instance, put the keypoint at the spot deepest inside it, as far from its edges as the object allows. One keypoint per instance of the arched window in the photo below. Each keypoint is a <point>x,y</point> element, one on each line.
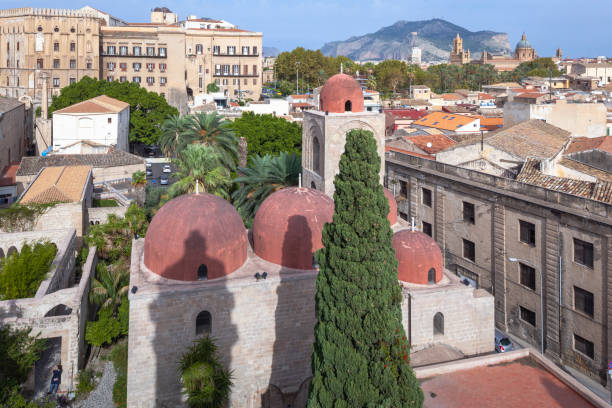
<point>202,272</point>
<point>313,185</point>
<point>39,29</point>
<point>315,155</point>
<point>348,106</point>
<point>431,276</point>
<point>59,310</point>
<point>11,250</point>
<point>56,29</point>
<point>199,49</point>
<point>203,323</point>
<point>438,324</point>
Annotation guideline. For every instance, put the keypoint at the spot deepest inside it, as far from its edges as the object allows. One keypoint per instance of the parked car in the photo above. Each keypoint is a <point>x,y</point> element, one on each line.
<point>502,343</point>
<point>167,168</point>
<point>149,172</point>
<point>149,165</point>
<point>163,180</point>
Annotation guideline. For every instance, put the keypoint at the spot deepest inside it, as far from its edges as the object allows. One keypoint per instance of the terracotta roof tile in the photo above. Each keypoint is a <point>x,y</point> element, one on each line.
<point>7,177</point>
<point>405,113</point>
<point>57,184</point>
<point>451,97</point>
<point>584,168</point>
<point>581,144</point>
<point>532,138</point>
<point>446,121</point>
<point>114,158</point>
<point>99,104</point>
<point>431,144</point>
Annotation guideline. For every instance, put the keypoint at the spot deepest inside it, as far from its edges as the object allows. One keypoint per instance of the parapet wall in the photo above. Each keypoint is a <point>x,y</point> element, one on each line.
<point>45,12</point>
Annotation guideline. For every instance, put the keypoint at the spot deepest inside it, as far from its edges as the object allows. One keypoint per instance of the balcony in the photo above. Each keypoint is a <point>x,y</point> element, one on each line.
<point>220,74</point>
<point>224,54</point>
<point>105,54</point>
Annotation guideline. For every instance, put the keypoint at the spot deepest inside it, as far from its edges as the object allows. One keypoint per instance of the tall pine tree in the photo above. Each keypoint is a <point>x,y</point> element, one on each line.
<point>360,355</point>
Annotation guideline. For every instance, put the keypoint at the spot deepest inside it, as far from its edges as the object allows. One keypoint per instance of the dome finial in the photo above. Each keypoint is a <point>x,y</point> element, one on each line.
<point>523,37</point>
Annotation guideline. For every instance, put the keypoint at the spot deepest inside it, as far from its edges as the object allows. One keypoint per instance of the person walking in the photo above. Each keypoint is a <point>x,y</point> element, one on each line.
<point>56,379</point>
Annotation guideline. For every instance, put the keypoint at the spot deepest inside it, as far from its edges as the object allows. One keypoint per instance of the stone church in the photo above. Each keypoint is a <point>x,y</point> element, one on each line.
<point>200,272</point>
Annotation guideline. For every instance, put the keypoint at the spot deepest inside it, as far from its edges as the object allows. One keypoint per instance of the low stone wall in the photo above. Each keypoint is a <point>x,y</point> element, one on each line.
<point>99,215</point>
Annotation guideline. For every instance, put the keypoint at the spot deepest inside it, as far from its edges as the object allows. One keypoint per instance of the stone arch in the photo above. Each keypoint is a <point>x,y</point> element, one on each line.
<point>12,250</point>
<point>203,272</point>
<point>316,155</point>
<point>308,148</point>
<point>348,106</point>
<point>59,310</point>
<point>431,276</point>
<point>203,323</point>
<point>438,324</point>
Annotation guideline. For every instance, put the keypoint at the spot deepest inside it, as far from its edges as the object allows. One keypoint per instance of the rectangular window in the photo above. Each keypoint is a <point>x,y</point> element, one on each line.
<point>245,70</point>
<point>254,69</point>
<point>110,78</point>
<point>137,51</point>
<point>468,212</point>
<point>200,69</point>
<point>403,215</point>
<point>123,66</point>
<point>216,49</point>
<point>403,189</point>
<point>469,250</point>
<point>245,50</point>
<point>162,81</point>
<point>56,63</point>
<point>56,82</point>
<point>231,50</point>
<point>110,50</point>
<point>136,79</point>
<point>109,120</point>
<point>225,82</point>
<point>527,233</point>
<point>73,80</point>
<point>88,65</point>
<point>217,69</point>
<point>150,67</point>
<point>111,66</point>
<point>136,66</point>
<point>72,47</point>
<point>123,50</point>
<point>583,253</point>
<point>426,197</point>
<point>254,81</point>
<point>162,51</point>
<point>150,80</point>
<point>528,276</point>
<point>236,81</point>
<point>151,51</point>
<point>584,346</point>
<point>162,67</point>
<point>72,64</point>
<point>427,228</point>
<point>235,69</point>
<point>122,79</point>
<point>56,46</point>
<point>217,82</point>
<point>583,301</point>
<point>528,316</point>
<point>200,83</point>
<point>246,81</point>
<point>39,63</point>
<point>226,69</point>
<point>254,50</point>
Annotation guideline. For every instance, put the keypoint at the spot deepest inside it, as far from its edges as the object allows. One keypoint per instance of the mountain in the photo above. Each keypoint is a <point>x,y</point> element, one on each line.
<point>270,51</point>
<point>434,37</point>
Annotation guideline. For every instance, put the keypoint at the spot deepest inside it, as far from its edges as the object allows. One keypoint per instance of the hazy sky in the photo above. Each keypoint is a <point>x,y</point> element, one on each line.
<point>581,28</point>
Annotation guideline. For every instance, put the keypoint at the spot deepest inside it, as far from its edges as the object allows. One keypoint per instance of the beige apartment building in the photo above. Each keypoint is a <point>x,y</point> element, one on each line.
<point>175,59</point>
<point>61,44</point>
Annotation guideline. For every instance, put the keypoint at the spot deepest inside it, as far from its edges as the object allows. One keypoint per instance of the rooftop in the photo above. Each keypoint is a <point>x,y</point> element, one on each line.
<point>431,144</point>
<point>446,121</point>
<point>31,165</point>
<point>99,104</point>
<point>532,138</point>
<point>57,184</point>
<point>581,144</point>
<point>7,177</point>
<point>8,104</point>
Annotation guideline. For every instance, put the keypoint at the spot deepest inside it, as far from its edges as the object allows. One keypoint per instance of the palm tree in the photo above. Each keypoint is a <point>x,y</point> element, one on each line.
<point>212,130</point>
<point>206,382</point>
<point>172,140</point>
<point>262,177</point>
<point>139,179</point>
<point>110,285</point>
<point>199,166</point>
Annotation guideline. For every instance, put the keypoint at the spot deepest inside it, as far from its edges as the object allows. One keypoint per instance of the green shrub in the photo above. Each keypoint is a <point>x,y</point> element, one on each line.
<point>19,217</point>
<point>86,382</point>
<point>119,356</point>
<point>123,315</point>
<point>103,202</point>
<point>103,331</point>
<point>21,273</point>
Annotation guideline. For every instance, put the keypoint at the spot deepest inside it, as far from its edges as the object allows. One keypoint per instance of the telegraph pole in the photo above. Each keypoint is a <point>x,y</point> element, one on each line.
<point>297,76</point>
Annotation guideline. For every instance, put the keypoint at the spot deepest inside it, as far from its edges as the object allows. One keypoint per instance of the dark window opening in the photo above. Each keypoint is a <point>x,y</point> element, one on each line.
<point>313,185</point>
<point>527,234</point>
<point>583,253</point>
<point>431,276</point>
<point>426,197</point>
<point>403,189</point>
<point>348,106</point>
<point>203,323</point>
<point>403,216</point>
<point>59,310</point>
<point>202,272</point>
<point>469,213</point>
<point>584,301</point>
<point>427,228</point>
<point>469,250</point>
<point>528,316</point>
<point>584,346</point>
<point>527,277</point>
<point>438,324</point>
<point>316,155</point>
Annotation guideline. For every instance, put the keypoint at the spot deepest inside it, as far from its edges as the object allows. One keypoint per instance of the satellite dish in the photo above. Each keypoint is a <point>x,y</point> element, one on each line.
<point>429,144</point>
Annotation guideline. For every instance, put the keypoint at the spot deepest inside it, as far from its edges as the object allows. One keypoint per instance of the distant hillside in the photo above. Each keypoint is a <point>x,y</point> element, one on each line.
<point>270,51</point>
<point>435,38</point>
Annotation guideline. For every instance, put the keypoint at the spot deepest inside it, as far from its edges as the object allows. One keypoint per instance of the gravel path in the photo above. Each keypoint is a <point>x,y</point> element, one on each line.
<point>102,395</point>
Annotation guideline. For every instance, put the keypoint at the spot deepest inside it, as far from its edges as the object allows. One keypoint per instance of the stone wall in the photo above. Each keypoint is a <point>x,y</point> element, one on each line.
<point>99,215</point>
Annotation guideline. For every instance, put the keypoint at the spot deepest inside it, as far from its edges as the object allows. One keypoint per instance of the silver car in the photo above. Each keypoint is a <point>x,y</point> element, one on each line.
<point>163,180</point>
<point>502,343</point>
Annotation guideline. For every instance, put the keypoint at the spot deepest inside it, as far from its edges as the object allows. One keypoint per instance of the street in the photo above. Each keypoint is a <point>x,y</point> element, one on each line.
<point>156,168</point>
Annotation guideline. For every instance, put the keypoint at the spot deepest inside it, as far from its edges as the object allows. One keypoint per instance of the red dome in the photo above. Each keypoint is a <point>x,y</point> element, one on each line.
<point>417,253</point>
<point>288,226</point>
<point>194,230</point>
<point>341,93</point>
<point>392,206</point>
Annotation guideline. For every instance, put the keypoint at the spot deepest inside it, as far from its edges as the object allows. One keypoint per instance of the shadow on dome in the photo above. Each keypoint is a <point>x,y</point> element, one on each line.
<point>175,323</point>
<point>284,358</point>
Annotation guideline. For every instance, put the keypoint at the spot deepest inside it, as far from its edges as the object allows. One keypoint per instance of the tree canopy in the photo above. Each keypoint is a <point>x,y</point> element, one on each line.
<point>148,110</point>
<point>268,134</point>
<point>360,354</point>
<point>21,273</point>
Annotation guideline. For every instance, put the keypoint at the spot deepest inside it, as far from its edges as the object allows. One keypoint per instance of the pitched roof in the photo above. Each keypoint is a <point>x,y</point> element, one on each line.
<point>531,174</point>
<point>57,184</point>
<point>405,113</point>
<point>8,104</point>
<point>446,121</point>
<point>530,95</point>
<point>581,144</point>
<point>451,97</point>
<point>584,168</point>
<point>490,123</point>
<point>114,158</point>
<point>484,96</point>
<point>99,104</point>
<point>431,144</point>
<point>532,138</point>
<point>7,177</point>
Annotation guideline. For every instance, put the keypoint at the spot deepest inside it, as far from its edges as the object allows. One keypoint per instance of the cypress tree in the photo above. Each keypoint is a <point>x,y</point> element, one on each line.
<point>360,354</point>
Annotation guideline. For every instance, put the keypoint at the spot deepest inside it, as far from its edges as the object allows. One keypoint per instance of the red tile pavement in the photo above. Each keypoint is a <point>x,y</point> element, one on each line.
<point>522,383</point>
